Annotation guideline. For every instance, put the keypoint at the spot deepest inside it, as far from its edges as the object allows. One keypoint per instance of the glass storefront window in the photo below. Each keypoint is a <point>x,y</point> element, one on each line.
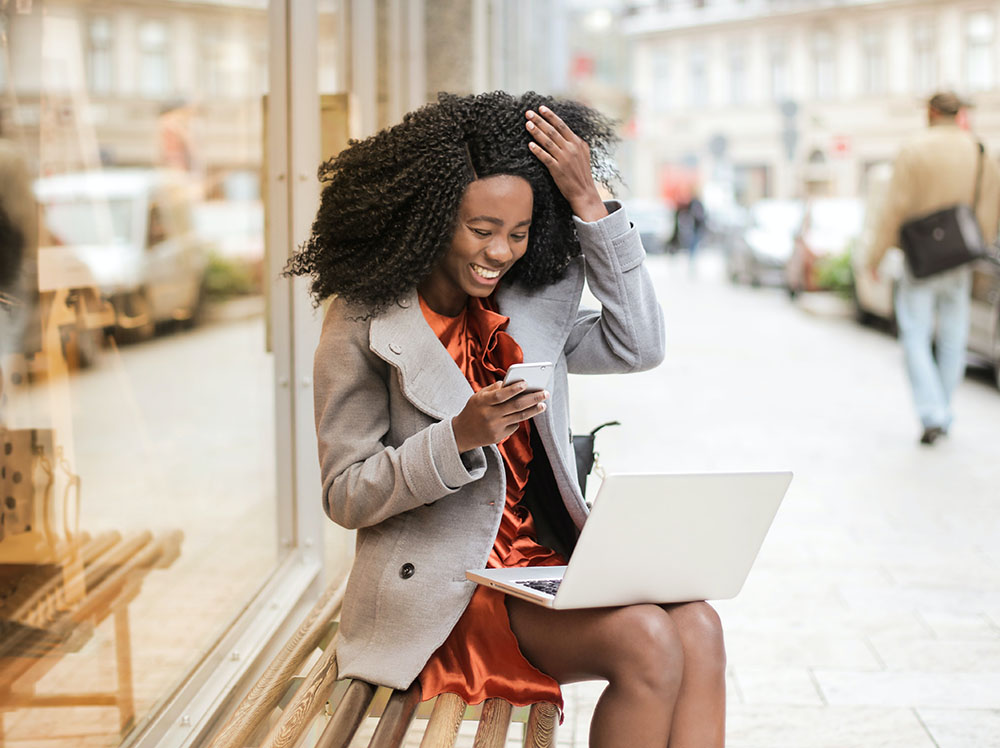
<point>979,40</point>
<point>100,68</point>
<point>138,407</point>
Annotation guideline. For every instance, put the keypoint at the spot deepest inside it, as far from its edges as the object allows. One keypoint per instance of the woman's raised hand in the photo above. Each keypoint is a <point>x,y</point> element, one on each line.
<point>567,157</point>
<point>493,413</point>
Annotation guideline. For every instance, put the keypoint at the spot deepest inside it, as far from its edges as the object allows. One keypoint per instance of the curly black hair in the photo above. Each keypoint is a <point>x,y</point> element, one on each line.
<point>390,202</point>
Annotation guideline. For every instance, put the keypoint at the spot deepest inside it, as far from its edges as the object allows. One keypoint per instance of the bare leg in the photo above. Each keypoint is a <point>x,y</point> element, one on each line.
<point>700,712</point>
<point>637,649</point>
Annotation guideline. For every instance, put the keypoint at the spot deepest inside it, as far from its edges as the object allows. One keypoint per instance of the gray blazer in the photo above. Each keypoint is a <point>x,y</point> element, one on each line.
<point>385,393</point>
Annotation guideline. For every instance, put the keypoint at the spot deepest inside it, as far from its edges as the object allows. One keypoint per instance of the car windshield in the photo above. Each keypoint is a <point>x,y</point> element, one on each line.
<point>76,222</point>
<point>777,216</point>
<point>838,218</point>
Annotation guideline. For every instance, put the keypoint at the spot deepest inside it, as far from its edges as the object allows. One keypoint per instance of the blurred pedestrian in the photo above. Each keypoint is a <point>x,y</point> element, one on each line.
<point>689,226</point>
<point>936,169</point>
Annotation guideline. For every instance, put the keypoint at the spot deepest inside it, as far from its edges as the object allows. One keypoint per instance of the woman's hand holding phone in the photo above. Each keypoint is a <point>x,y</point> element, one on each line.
<point>493,413</point>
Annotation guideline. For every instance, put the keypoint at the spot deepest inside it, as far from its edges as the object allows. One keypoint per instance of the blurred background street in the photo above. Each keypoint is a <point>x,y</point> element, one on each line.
<point>872,616</point>
<point>158,164</point>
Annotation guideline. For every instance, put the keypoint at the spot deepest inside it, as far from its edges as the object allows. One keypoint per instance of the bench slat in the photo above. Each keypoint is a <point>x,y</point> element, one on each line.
<point>445,722</point>
<point>306,704</point>
<point>270,687</point>
<point>493,724</point>
<point>347,716</point>
<point>396,718</point>
<point>541,729</point>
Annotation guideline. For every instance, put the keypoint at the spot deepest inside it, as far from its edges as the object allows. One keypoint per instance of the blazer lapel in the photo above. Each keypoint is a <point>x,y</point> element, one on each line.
<point>540,319</point>
<point>428,375</point>
<point>540,322</point>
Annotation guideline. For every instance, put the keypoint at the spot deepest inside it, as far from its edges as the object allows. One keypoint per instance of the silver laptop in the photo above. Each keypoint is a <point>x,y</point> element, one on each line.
<point>657,539</point>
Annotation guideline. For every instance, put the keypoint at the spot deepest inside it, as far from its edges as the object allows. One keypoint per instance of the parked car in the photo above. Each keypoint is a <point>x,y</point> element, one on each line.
<point>984,315</point>
<point>875,297</point>
<point>829,226</point>
<point>124,235</point>
<point>758,256</point>
<point>654,220</point>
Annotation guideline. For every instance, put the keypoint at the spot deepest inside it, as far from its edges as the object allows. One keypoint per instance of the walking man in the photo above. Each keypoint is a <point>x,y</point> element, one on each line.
<point>934,170</point>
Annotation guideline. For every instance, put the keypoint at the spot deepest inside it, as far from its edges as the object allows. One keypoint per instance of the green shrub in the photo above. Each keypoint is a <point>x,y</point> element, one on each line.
<point>225,277</point>
<point>835,274</point>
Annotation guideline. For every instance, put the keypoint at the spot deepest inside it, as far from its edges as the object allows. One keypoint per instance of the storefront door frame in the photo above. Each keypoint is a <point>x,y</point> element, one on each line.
<point>292,152</point>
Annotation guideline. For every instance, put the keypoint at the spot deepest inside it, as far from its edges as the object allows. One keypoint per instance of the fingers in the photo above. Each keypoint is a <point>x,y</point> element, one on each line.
<point>549,128</point>
<point>557,122</point>
<point>524,415</point>
<point>522,403</point>
<point>546,135</point>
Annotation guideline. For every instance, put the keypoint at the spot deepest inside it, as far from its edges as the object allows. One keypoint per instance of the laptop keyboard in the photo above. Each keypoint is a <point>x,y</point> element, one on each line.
<point>548,586</point>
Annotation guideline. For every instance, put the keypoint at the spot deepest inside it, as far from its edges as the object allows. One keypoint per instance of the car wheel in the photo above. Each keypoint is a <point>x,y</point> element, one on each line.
<point>996,354</point>
<point>862,317</point>
<point>134,317</point>
<point>80,346</point>
<point>197,309</point>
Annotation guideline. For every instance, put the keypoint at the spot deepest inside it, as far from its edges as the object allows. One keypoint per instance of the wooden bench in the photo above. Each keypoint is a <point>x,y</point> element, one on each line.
<point>49,610</point>
<point>347,703</point>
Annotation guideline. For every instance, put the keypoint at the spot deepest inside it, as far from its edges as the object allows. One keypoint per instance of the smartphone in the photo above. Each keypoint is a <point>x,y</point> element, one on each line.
<point>535,375</point>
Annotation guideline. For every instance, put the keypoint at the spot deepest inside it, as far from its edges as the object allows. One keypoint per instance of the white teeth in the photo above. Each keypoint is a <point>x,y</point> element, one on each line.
<point>485,272</point>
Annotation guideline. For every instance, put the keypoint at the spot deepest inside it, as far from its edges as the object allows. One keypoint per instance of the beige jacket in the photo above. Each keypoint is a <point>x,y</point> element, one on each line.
<point>385,392</point>
<point>936,169</point>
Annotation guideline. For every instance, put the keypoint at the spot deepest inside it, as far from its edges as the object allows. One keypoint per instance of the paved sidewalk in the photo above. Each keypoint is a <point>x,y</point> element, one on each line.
<point>872,616</point>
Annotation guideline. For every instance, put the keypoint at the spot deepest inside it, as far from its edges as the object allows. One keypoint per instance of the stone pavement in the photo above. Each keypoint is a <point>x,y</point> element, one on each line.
<point>872,615</point>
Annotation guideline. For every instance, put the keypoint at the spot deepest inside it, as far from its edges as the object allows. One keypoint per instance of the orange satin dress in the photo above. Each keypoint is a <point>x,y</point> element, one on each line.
<point>481,658</point>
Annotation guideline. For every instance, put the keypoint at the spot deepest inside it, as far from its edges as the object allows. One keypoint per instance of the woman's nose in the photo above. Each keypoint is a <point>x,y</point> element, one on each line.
<point>499,251</point>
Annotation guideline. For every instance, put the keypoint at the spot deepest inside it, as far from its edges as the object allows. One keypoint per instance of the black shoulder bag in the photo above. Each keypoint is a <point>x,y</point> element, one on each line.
<point>583,447</point>
<point>945,239</point>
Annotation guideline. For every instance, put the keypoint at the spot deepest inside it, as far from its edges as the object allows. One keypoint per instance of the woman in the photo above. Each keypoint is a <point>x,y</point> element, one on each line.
<point>456,244</point>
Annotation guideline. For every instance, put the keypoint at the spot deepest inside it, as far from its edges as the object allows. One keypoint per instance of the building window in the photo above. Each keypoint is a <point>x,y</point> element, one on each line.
<point>154,61</point>
<point>873,71</point>
<point>738,76</point>
<point>824,65</point>
<point>4,46</point>
<point>699,79</point>
<point>925,60</point>
<point>979,34</point>
<point>779,77</point>
<point>100,66</point>
<point>659,80</point>
<point>212,71</point>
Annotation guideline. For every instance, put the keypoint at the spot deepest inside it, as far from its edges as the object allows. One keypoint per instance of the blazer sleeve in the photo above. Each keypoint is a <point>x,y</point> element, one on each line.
<point>627,333</point>
<point>366,480</point>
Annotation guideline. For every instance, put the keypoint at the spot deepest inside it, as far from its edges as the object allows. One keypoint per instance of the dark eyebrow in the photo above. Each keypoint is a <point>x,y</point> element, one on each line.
<point>497,222</point>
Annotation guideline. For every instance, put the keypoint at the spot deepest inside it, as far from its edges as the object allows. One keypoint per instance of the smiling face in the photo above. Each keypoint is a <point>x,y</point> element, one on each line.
<point>491,234</point>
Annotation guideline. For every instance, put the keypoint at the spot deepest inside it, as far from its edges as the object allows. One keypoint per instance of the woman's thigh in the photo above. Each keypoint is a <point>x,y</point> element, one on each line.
<point>597,643</point>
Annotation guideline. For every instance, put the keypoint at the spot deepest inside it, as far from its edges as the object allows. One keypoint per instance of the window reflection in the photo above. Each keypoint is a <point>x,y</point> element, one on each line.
<point>137,438</point>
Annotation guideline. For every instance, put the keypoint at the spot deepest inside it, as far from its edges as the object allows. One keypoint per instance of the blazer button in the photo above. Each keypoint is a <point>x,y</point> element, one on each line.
<point>395,348</point>
<point>406,571</point>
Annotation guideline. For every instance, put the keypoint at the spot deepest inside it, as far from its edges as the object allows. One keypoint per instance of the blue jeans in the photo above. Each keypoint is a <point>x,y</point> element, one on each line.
<point>943,298</point>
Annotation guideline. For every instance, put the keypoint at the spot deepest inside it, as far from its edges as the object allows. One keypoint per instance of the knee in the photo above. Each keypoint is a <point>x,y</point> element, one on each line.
<point>700,630</point>
<point>650,651</point>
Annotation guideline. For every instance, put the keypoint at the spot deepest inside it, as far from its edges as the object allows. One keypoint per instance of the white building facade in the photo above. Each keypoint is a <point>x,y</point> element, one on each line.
<point>785,98</point>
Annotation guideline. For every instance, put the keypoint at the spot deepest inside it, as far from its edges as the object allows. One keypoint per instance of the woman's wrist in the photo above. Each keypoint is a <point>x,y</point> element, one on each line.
<point>460,442</point>
<point>589,209</point>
